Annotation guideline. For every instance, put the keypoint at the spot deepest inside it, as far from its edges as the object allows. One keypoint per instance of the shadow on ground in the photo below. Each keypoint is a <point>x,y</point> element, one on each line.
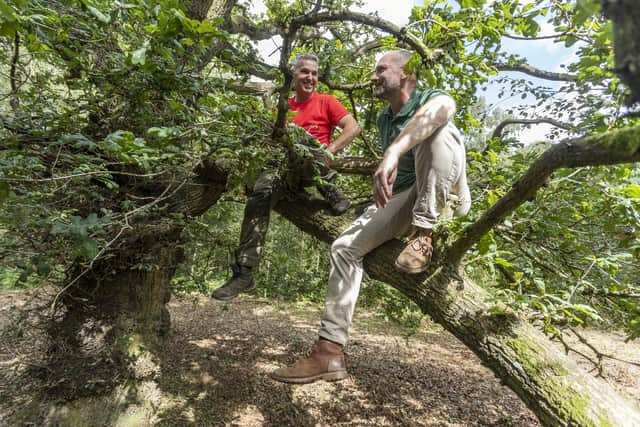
<point>215,372</point>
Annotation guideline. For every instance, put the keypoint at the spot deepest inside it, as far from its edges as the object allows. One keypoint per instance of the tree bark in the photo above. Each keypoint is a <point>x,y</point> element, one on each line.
<point>546,380</point>
<point>550,383</point>
<point>113,313</point>
<point>625,16</point>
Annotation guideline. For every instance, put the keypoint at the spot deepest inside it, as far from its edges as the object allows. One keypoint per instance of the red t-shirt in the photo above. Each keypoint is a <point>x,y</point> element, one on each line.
<point>319,115</point>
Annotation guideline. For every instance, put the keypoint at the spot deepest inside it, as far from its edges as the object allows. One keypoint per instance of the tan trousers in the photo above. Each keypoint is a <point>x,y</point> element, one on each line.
<point>440,180</point>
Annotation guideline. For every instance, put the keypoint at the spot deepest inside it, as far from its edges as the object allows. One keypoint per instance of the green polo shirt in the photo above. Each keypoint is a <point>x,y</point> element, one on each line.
<point>390,127</point>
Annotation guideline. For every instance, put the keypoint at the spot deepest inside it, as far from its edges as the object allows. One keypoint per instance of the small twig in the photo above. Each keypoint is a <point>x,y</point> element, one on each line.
<point>580,280</point>
<point>60,178</point>
<point>87,269</point>
<point>15,100</point>
<point>568,348</point>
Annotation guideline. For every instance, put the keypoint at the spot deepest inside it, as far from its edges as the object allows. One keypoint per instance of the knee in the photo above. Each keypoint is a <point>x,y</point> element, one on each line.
<point>462,208</point>
<point>339,245</point>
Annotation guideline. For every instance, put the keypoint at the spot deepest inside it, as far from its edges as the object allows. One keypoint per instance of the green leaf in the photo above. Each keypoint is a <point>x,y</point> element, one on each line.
<point>138,56</point>
<point>486,243</point>
<point>99,15</point>
<point>471,3</point>
<point>8,20</point>
<point>503,262</point>
<point>86,248</point>
<point>164,132</point>
<point>631,191</point>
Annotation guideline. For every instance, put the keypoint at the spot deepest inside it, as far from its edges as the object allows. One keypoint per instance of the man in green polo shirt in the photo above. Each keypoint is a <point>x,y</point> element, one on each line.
<point>423,170</point>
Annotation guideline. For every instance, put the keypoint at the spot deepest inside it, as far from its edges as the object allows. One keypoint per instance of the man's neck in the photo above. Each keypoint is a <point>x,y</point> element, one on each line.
<point>397,100</point>
<point>303,97</point>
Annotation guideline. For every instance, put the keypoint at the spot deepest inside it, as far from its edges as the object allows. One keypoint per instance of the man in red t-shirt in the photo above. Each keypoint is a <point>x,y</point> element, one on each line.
<point>318,115</point>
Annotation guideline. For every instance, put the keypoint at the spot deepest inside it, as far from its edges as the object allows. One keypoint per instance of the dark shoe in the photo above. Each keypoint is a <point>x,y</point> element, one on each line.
<point>338,202</point>
<point>417,254</point>
<point>325,362</point>
<point>241,281</point>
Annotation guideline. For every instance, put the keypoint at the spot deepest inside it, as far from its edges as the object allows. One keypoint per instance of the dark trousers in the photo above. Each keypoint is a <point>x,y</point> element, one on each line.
<point>269,188</point>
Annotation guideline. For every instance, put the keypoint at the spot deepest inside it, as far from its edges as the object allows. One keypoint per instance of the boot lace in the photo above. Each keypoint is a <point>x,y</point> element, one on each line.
<point>422,244</point>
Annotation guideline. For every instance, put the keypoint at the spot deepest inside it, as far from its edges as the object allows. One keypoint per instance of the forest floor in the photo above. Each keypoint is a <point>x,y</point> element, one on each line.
<point>215,365</point>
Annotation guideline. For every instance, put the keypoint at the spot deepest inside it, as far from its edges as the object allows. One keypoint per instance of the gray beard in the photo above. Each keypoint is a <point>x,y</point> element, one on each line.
<point>378,91</point>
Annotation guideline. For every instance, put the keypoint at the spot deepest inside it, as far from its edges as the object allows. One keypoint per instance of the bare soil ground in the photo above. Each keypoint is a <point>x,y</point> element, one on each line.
<point>215,365</point>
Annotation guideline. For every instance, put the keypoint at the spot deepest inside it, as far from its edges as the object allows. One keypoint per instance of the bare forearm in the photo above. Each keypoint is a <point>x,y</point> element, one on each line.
<point>345,138</point>
<point>350,130</point>
<point>427,120</point>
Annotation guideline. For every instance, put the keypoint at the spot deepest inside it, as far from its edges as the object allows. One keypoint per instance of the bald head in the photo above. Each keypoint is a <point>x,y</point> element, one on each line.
<point>390,79</point>
<point>399,57</point>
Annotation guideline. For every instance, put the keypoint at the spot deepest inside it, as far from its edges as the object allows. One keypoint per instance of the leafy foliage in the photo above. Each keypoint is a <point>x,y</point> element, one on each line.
<point>111,106</point>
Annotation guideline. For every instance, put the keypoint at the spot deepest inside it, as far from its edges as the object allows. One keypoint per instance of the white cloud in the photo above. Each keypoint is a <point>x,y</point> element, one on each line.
<point>396,11</point>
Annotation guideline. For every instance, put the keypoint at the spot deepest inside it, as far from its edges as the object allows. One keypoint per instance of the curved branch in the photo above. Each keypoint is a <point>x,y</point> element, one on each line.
<point>497,133</point>
<point>367,47</point>
<point>283,103</point>
<point>240,24</point>
<point>373,21</point>
<point>535,72</point>
<point>551,36</point>
<point>620,146</point>
<point>345,87</point>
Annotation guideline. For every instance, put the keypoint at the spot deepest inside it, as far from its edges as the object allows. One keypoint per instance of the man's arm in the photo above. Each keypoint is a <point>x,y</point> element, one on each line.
<point>434,114</point>
<point>350,129</point>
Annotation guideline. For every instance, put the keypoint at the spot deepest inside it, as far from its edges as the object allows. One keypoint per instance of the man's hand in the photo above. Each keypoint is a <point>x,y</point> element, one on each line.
<point>384,178</point>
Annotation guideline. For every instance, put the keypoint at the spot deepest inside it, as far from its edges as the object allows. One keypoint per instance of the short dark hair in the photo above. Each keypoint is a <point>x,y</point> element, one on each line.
<point>304,57</point>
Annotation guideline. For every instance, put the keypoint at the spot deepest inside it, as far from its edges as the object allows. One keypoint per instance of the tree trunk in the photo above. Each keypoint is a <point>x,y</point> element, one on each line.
<point>550,383</point>
<point>114,312</point>
<point>625,15</point>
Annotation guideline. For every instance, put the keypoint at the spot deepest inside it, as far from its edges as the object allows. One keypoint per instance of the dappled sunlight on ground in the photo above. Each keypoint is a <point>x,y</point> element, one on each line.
<point>214,370</point>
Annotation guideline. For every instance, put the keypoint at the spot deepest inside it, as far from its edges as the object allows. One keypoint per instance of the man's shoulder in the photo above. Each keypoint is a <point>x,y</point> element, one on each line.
<point>426,94</point>
<point>326,98</point>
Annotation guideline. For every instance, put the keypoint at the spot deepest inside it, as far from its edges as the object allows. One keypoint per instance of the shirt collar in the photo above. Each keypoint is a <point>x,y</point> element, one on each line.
<point>406,109</point>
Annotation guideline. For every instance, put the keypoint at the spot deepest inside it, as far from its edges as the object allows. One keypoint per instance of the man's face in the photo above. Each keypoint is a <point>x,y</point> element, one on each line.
<point>387,77</point>
<point>305,78</point>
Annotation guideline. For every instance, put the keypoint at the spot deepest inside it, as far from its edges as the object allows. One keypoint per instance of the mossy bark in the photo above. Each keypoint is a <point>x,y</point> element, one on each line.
<point>113,314</point>
<point>550,383</point>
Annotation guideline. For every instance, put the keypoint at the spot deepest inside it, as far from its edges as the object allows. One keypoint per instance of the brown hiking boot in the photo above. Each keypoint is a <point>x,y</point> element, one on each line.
<point>415,257</point>
<point>325,362</point>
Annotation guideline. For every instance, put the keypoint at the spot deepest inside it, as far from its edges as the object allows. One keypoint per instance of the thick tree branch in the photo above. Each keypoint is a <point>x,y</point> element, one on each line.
<point>535,72</point>
<point>201,9</point>
<point>620,146</point>
<point>547,381</point>
<point>354,165</point>
<point>345,87</point>
<point>239,24</point>
<point>625,15</point>
<point>373,21</point>
<point>252,88</point>
<point>497,133</point>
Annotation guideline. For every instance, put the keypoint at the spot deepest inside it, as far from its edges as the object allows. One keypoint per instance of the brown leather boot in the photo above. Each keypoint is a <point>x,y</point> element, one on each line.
<point>325,362</point>
<point>415,257</point>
